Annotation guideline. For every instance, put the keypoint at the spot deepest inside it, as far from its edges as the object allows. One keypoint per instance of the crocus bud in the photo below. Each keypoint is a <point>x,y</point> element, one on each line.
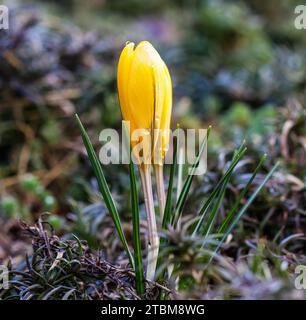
<point>145,94</point>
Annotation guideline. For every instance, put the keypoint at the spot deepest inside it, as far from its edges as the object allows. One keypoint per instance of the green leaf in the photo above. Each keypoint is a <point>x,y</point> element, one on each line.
<point>168,206</point>
<point>215,209</point>
<point>107,196</point>
<point>241,196</point>
<point>140,279</point>
<point>224,180</point>
<point>244,208</point>
<point>186,187</point>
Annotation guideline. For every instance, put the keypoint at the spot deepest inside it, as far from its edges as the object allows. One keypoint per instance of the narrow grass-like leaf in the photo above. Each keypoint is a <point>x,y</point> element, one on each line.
<point>220,195</point>
<point>168,209</point>
<point>107,196</point>
<point>186,187</point>
<point>212,217</point>
<point>244,208</point>
<point>79,244</point>
<point>241,196</point>
<point>202,213</point>
<point>168,206</point>
<point>139,273</point>
<point>68,294</point>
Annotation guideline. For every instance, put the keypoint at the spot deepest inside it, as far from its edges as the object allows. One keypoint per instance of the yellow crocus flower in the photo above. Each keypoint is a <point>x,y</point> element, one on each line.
<point>145,93</point>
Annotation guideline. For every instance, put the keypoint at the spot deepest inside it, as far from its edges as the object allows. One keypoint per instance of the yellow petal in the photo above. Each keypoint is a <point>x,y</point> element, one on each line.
<point>141,87</point>
<point>123,72</point>
<point>167,110</point>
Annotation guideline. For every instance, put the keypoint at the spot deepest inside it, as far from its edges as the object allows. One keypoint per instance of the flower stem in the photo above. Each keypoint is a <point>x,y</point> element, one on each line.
<point>159,176</point>
<point>153,243</point>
